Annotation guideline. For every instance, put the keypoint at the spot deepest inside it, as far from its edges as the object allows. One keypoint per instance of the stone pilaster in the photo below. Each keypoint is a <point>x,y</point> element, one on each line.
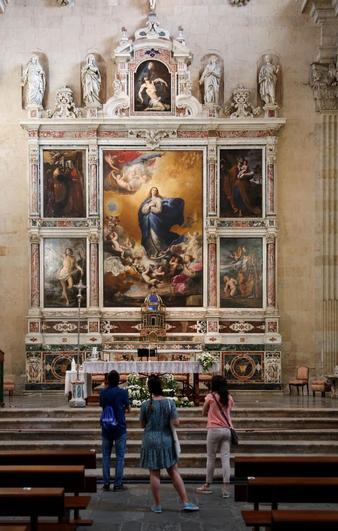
<point>329,177</point>
<point>271,154</point>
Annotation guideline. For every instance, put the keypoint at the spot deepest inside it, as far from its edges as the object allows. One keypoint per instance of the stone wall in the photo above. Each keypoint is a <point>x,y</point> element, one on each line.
<point>240,35</point>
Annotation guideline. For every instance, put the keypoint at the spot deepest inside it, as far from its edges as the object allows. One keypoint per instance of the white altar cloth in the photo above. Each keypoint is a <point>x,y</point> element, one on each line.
<point>145,367</point>
<point>71,377</point>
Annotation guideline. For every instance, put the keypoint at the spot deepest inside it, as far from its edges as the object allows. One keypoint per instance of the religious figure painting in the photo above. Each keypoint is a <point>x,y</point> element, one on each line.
<point>64,269</point>
<point>152,87</point>
<point>241,183</point>
<point>64,187</point>
<point>153,215</point>
<point>241,272</point>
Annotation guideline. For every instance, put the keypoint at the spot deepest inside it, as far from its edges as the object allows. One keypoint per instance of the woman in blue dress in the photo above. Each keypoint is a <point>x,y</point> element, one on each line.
<point>158,451</point>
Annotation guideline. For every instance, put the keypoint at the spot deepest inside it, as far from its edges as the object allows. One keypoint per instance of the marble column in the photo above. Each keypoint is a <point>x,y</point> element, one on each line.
<point>93,180</point>
<point>329,178</point>
<point>34,209</point>
<point>94,270</point>
<point>271,153</point>
<point>35,271</point>
<point>212,180</point>
<point>271,270</point>
<point>212,271</point>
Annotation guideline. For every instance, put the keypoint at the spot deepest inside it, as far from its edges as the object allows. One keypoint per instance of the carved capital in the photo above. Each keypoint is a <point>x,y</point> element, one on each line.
<point>271,149</point>
<point>324,83</point>
<point>152,137</point>
<point>93,155</point>
<point>35,237</point>
<point>94,237</point>
<point>270,238</point>
<point>211,238</point>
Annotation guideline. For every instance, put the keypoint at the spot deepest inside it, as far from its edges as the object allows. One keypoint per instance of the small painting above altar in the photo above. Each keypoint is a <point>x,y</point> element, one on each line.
<point>64,194</point>
<point>153,222</point>
<point>152,87</point>
<point>241,272</point>
<point>241,182</point>
<point>64,268</point>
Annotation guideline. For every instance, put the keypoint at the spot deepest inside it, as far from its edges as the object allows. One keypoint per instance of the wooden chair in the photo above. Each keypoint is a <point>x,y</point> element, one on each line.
<point>9,386</point>
<point>320,385</point>
<point>301,380</point>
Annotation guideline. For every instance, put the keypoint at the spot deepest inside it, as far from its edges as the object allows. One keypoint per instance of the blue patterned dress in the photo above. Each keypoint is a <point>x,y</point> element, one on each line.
<point>158,449</point>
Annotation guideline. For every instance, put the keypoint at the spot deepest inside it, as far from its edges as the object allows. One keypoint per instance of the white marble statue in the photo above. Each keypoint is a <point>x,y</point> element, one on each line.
<point>34,82</point>
<point>152,5</point>
<point>91,82</point>
<point>267,79</point>
<point>211,78</point>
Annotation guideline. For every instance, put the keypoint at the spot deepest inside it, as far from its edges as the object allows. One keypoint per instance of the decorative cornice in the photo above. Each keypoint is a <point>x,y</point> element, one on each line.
<point>3,4</point>
<point>325,14</point>
<point>65,3</point>
<point>152,137</point>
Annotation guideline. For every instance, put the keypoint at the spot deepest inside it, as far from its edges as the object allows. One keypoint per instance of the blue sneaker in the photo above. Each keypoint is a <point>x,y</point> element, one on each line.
<point>156,508</point>
<point>190,507</point>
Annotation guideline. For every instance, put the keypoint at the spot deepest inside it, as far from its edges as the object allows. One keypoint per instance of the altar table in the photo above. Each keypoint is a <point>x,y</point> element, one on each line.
<point>140,367</point>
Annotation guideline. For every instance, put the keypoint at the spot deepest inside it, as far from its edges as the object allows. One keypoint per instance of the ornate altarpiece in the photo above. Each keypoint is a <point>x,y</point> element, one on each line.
<point>244,335</point>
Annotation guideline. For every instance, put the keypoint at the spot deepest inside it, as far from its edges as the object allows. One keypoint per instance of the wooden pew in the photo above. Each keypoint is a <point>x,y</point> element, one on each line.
<point>69,477</point>
<point>5,527</point>
<point>292,519</point>
<point>87,458</point>
<point>32,502</point>
<point>306,520</point>
<point>279,466</point>
<point>292,490</point>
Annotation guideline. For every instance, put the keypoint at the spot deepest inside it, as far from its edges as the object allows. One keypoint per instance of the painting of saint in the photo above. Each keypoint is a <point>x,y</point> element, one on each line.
<point>241,183</point>
<point>64,268</point>
<point>241,273</point>
<point>63,184</point>
<point>152,87</point>
<point>153,227</point>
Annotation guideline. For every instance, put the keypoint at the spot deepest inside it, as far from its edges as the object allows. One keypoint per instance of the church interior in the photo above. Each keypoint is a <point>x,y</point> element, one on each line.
<point>172,209</point>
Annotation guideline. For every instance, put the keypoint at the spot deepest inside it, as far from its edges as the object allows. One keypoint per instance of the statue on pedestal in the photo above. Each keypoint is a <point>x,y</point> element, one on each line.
<point>211,78</point>
<point>34,83</point>
<point>267,79</point>
<point>91,82</point>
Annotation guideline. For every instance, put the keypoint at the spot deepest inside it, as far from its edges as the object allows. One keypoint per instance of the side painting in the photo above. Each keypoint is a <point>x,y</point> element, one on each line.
<point>241,183</point>
<point>153,215</point>
<point>63,183</point>
<point>152,87</point>
<point>64,267</point>
<point>241,272</point>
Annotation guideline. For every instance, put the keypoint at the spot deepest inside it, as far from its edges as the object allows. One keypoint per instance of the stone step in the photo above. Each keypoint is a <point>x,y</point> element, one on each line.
<point>190,459</point>
<point>194,437</point>
<point>94,412</point>
<point>35,423</point>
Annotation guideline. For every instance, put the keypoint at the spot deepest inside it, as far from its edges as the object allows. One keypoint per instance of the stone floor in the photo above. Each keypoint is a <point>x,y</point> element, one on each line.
<point>38,399</point>
<point>129,511</point>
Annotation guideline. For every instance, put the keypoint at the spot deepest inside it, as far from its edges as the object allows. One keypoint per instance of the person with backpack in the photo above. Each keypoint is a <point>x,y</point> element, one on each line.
<point>115,403</point>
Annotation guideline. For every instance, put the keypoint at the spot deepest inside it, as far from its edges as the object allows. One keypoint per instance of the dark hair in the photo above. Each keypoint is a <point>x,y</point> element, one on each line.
<point>155,385</point>
<point>155,388</point>
<point>113,378</point>
<point>219,385</point>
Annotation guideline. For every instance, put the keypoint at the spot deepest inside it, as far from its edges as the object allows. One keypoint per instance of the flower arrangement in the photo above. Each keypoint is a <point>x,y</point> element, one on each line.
<point>138,390</point>
<point>206,360</point>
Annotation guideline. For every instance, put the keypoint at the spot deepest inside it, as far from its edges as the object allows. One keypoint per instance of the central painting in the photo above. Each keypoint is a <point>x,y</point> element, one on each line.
<point>153,227</point>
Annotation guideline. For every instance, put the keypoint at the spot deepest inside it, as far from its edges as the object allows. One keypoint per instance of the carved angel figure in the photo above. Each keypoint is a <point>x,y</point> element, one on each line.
<point>91,82</point>
<point>34,82</point>
<point>211,78</point>
<point>267,79</point>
